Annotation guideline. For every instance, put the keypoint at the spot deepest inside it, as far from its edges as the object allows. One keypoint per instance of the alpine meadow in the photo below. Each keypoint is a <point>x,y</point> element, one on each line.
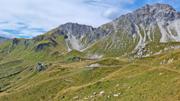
<point>135,57</point>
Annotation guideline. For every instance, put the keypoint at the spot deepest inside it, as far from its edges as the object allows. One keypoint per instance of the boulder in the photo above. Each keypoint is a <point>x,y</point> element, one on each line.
<point>41,67</point>
<point>101,93</point>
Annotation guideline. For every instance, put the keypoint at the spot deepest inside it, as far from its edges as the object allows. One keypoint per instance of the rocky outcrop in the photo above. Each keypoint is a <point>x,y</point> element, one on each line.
<point>79,36</point>
<point>41,45</point>
<point>41,67</point>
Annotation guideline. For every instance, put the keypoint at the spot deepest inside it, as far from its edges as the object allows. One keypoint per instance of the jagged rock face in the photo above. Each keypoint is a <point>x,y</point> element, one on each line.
<point>150,17</point>
<point>153,13</point>
<point>151,23</point>
<point>146,16</point>
<point>78,36</point>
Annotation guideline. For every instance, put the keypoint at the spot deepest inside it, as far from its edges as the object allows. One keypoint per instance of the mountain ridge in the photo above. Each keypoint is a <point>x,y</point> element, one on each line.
<point>148,27</point>
<point>127,34</point>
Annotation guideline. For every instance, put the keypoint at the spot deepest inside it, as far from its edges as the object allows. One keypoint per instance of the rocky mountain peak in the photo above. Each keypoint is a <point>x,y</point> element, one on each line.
<point>79,36</point>
<point>158,7</point>
<point>150,23</point>
<point>151,14</point>
<point>157,12</point>
<point>146,16</point>
<point>76,29</point>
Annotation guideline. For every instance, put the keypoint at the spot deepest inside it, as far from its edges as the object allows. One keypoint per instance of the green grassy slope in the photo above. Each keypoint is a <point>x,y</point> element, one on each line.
<point>72,76</point>
<point>155,78</point>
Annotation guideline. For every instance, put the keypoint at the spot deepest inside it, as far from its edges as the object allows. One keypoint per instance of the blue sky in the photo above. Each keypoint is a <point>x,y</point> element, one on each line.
<point>29,18</point>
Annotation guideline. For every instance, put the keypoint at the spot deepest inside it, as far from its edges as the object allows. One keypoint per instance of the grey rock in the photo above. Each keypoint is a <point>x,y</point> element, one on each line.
<point>84,34</point>
<point>41,67</point>
<point>79,30</point>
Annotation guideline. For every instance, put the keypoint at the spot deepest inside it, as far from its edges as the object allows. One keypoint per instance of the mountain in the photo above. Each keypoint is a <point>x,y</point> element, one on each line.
<point>135,57</point>
<point>79,37</point>
<point>158,23</point>
<point>135,33</point>
<point>130,33</point>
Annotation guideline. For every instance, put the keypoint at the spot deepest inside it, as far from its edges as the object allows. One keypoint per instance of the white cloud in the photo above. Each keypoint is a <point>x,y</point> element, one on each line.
<point>48,14</point>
